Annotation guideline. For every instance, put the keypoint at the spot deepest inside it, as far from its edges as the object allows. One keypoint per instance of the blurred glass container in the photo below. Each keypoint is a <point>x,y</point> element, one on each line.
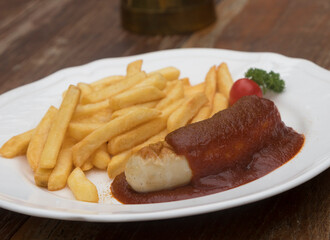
<point>166,16</point>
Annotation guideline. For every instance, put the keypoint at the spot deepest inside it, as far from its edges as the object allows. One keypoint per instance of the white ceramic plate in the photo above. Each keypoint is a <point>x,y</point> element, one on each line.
<point>304,105</point>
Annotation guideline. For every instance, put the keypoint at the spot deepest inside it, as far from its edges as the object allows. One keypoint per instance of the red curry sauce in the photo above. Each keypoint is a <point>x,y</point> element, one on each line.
<point>234,147</point>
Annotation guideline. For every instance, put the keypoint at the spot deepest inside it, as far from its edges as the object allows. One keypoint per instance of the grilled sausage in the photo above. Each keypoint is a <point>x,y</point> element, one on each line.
<point>228,139</point>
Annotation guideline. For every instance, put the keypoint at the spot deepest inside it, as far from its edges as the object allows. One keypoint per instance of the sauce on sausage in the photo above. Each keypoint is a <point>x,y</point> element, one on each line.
<point>234,147</point>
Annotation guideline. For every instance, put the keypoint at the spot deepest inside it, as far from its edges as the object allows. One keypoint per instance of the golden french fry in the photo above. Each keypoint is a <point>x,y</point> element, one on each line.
<point>158,137</point>
<point>17,145</point>
<point>184,113</point>
<point>224,79</point>
<point>175,94</point>
<point>135,96</point>
<point>168,110</point>
<point>123,111</point>
<point>58,129</point>
<point>137,135</point>
<point>169,86</point>
<point>58,178</point>
<point>134,67</point>
<point>151,104</point>
<point>41,176</point>
<point>202,114</point>
<point>186,82</point>
<point>85,89</point>
<point>114,89</point>
<point>220,103</point>
<point>88,165</point>
<point>79,130</point>
<point>170,73</point>
<point>141,133</point>
<point>105,82</point>
<point>118,162</point>
<point>210,84</point>
<point>90,109</point>
<point>102,116</point>
<point>101,157</point>
<point>39,138</point>
<point>81,187</point>
<point>210,89</point>
<point>189,91</point>
<point>86,147</point>
<point>157,80</point>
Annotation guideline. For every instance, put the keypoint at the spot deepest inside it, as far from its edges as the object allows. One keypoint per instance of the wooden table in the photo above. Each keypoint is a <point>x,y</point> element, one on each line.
<point>40,37</point>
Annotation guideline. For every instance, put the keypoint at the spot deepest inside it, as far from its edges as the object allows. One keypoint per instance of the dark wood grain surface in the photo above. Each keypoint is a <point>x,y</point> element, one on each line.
<point>40,37</point>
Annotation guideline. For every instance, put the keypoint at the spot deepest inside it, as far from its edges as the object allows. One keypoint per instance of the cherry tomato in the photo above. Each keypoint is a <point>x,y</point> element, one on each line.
<point>243,87</point>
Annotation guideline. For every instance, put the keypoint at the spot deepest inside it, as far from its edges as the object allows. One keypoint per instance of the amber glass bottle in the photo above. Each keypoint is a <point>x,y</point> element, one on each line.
<point>166,16</point>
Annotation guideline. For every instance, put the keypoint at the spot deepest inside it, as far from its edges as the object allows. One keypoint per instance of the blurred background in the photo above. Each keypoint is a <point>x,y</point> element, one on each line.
<point>167,16</point>
<point>40,37</point>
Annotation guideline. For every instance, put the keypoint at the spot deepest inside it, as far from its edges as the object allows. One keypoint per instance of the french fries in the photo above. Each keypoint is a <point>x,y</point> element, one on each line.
<point>103,116</point>
<point>88,165</point>
<point>210,90</point>
<point>101,124</point>
<point>58,129</point>
<point>135,96</point>
<point>169,85</point>
<point>39,138</point>
<point>143,132</point>
<point>188,91</point>
<point>151,104</point>
<point>202,114</point>
<point>134,67</point>
<point>174,94</point>
<point>185,82</point>
<point>186,112</point>
<point>224,80</point>
<point>136,136</point>
<point>220,102</point>
<point>90,109</point>
<point>79,130</point>
<point>41,176</point>
<point>170,73</point>
<point>123,111</point>
<point>157,80</point>
<point>210,84</point>
<point>104,82</point>
<point>117,164</point>
<point>85,89</point>
<point>101,157</point>
<point>81,187</point>
<point>114,89</point>
<point>17,145</point>
<point>58,177</point>
<point>86,147</point>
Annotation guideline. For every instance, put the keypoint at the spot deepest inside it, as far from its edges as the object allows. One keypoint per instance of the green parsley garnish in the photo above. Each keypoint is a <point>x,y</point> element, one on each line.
<point>266,81</point>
